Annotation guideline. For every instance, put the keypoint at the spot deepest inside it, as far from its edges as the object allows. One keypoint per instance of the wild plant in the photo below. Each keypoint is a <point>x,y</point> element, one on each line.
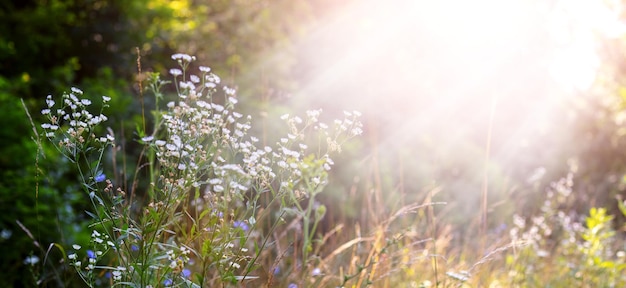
<point>566,249</point>
<point>217,207</point>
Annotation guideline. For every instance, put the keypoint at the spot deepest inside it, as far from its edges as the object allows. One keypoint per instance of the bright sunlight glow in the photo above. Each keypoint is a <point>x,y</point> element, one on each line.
<point>433,74</point>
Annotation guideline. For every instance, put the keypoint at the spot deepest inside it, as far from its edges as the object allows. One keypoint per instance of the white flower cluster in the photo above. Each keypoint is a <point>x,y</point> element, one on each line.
<point>207,138</point>
<point>100,244</point>
<point>178,259</point>
<point>72,123</point>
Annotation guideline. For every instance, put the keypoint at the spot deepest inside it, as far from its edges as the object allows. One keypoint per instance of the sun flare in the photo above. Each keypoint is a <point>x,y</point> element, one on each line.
<point>434,74</point>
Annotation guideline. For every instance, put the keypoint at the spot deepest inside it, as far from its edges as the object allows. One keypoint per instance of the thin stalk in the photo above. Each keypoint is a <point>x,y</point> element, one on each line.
<point>485,188</point>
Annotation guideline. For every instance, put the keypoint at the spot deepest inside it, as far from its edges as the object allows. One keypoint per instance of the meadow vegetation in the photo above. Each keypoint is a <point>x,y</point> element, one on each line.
<point>208,204</point>
<point>125,164</point>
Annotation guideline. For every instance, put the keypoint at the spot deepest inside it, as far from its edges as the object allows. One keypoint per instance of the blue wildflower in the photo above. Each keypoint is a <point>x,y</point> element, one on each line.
<point>241,224</point>
<point>186,273</point>
<point>100,177</point>
<point>292,285</point>
<point>91,254</point>
<point>168,282</point>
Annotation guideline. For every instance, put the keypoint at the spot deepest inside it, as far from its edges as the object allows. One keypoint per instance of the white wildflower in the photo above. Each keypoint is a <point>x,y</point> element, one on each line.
<point>147,138</point>
<point>76,90</point>
<point>31,260</point>
<point>176,72</point>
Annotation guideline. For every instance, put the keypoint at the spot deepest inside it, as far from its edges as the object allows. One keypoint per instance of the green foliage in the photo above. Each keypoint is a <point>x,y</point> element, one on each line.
<point>47,212</point>
<point>559,251</point>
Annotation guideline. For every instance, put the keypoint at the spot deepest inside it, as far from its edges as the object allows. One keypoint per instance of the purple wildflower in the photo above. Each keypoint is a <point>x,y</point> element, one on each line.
<point>241,224</point>
<point>100,177</point>
<point>186,273</point>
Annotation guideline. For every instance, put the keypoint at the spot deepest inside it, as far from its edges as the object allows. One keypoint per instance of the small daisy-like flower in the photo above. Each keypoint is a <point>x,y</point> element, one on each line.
<point>85,102</point>
<point>106,99</point>
<point>187,85</point>
<point>181,56</point>
<point>228,90</point>
<point>176,72</point>
<point>31,260</point>
<point>217,107</point>
<point>76,90</point>
<point>204,69</point>
<point>117,275</point>
<point>49,101</point>
<point>147,138</point>
<point>76,247</point>
<point>194,79</point>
